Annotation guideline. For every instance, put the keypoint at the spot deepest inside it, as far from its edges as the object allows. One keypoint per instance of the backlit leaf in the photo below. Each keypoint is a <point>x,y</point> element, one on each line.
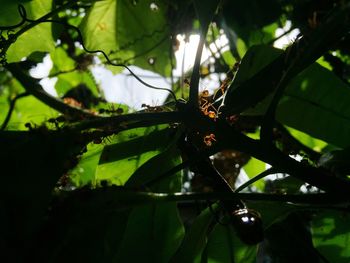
<point>224,246</point>
<point>130,149</point>
<point>153,233</point>
<point>38,38</point>
<point>195,239</point>
<point>253,168</point>
<point>331,235</point>
<point>316,102</point>
<point>132,32</point>
<point>313,101</point>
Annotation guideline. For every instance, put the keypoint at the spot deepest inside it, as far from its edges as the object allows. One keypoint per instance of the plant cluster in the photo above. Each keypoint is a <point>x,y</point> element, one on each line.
<point>89,180</point>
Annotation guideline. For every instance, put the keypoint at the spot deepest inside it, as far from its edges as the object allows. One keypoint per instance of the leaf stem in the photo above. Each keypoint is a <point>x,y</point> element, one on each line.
<point>256,178</point>
<point>12,107</point>
<point>147,118</point>
<point>41,19</point>
<point>33,87</point>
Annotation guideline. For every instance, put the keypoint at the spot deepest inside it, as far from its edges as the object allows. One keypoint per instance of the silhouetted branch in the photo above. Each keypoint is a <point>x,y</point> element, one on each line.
<point>12,107</point>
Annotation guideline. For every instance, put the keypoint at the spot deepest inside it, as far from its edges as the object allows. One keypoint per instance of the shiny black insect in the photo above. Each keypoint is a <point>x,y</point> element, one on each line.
<point>248,225</point>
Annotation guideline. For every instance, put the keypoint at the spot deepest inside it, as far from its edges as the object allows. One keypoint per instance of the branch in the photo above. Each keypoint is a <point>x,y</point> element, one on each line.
<point>256,178</point>
<point>143,119</point>
<point>12,107</point>
<point>280,36</point>
<point>114,194</point>
<point>205,12</point>
<point>87,119</point>
<point>227,137</point>
<point>42,19</point>
<point>33,87</point>
<point>201,163</point>
<point>33,23</point>
<point>310,152</point>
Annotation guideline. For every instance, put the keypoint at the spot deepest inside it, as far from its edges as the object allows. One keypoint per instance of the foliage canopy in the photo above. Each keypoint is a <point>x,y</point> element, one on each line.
<point>89,180</point>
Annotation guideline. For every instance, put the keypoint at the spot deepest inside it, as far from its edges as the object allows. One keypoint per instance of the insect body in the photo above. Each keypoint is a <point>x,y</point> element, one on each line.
<point>149,108</point>
<point>112,110</point>
<point>206,106</point>
<point>248,225</point>
<point>209,139</point>
<point>207,101</point>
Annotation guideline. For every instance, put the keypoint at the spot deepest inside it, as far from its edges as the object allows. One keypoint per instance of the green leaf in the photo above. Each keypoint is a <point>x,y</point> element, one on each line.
<point>73,79</point>
<point>131,32</point>
<point>224,246</point>
<point>244,89</point>
<point>84,173</point>
<point>253,168</point>
<point>313,101</point>
<point>241,47</point>
<point>130,150</point>
<point>319,103</point>
<point>29,109</point>
<point>271,212</point>
<point>228,58</point>
<point>99,26</point>
<point>286,66</point>
<point>288,184</point>
<point>259,36</point>
<point>252,20</point>
<point>61,61</point>
<point>92,1</point>
<point>155,167</point>
<point>336,161</point>
<point>290,240</point>
<point>195,239</point>
<point>331,235</point>
<point>6,93</point>
<point>153,234</point>
<point>256,58</point>
<point>205,11</point>
<point>156,231</point>
<point>38,38</point>
<point>313,143</point>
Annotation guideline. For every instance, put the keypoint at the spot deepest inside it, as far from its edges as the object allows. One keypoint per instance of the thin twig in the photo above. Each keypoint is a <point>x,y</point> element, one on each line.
<point>80,37</point>
<point>12,107</point>
<point>311,153</point>
<point>280,36</point>
<point>194,83</point>
<point>44,19</point>
<point>255,178</point>
<point>33,87</point>
<point>62,72</point>
<point>41,19</point>
<point>126,119</point>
